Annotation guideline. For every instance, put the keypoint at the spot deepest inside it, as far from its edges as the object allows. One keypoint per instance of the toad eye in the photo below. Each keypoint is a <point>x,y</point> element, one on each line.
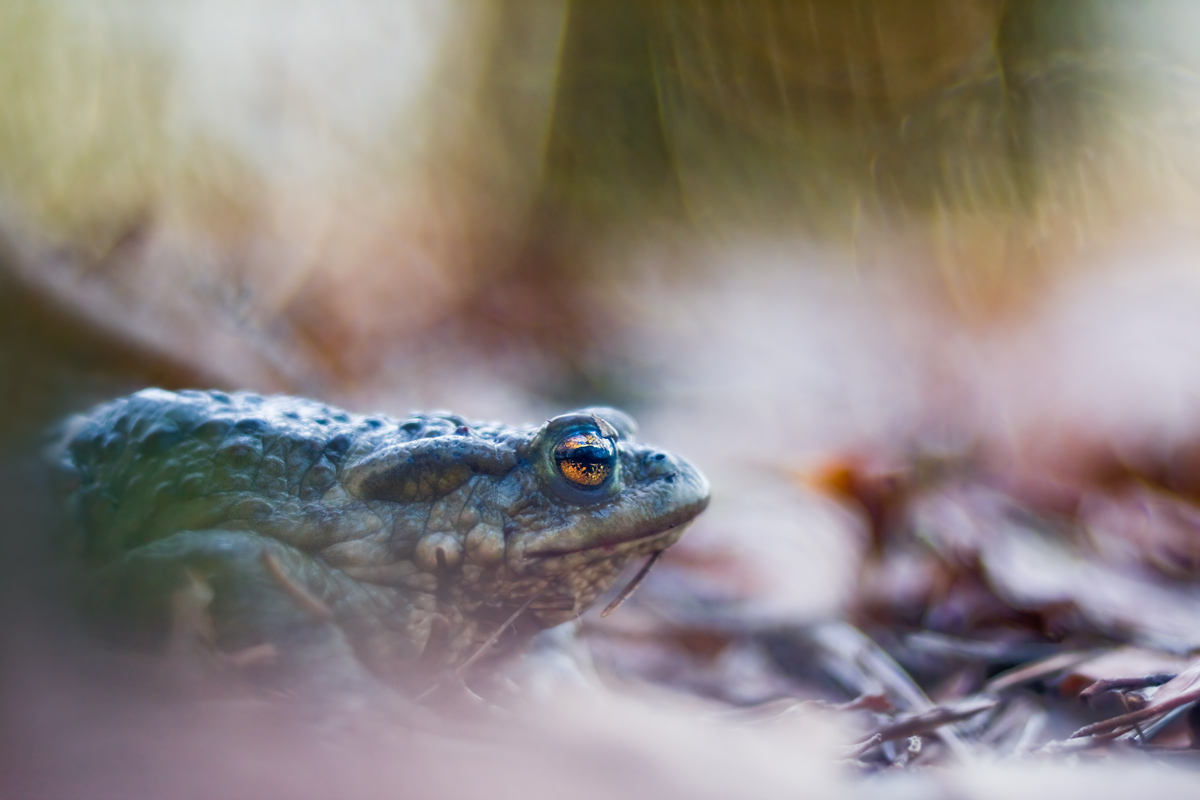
<point>585,458</point>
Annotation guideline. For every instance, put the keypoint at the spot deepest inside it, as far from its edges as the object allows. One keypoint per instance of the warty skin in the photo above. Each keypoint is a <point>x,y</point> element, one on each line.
<point>347,540</point>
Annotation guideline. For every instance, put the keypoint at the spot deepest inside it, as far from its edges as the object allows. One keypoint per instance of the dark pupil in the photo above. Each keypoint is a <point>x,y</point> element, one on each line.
<point>584,458</point>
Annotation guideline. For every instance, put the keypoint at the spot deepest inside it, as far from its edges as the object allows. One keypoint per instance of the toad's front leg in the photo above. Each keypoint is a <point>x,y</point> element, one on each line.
<point>256,601</point>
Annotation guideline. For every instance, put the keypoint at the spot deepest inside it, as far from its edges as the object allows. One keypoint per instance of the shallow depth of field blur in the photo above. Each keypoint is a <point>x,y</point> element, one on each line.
<point>915,282</point>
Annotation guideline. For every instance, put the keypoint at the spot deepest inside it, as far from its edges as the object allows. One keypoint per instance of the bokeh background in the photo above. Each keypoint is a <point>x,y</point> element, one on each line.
<point>795,238</point>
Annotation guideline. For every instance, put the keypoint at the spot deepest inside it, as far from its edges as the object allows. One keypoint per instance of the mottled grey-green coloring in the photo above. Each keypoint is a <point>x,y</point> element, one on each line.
<point>396,544</point>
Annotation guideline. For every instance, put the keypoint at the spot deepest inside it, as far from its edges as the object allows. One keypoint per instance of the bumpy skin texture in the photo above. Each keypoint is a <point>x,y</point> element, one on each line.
<point>402,545</point>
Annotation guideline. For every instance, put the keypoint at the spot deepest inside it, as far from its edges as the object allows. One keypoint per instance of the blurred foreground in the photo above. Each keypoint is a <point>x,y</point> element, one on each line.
<point>915,283</point>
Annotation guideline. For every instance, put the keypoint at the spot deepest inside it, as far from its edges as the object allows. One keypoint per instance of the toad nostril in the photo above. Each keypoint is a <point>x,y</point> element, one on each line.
<point>659,464</point>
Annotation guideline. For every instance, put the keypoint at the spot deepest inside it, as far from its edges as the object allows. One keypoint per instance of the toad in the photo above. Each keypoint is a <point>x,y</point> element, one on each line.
<point>355,543</point>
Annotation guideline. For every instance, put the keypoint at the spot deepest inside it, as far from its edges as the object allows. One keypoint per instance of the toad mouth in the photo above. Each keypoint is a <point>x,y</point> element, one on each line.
<point>609,547</point>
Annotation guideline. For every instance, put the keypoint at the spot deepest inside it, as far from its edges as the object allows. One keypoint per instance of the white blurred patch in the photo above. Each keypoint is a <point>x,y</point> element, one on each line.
<point>1110,351</point>
<point>766,362</point>
<point>297,87</point>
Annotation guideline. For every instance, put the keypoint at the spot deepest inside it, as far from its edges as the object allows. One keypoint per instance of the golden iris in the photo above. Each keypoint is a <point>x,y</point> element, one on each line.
<point>585,458</point>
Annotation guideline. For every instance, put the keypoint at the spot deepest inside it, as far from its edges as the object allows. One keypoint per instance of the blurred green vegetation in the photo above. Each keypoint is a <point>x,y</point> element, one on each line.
<point>792,117</point>
<point>799,115</point>
<point>85,147</point>
<point>829,121</point>
<point>327,182</point>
